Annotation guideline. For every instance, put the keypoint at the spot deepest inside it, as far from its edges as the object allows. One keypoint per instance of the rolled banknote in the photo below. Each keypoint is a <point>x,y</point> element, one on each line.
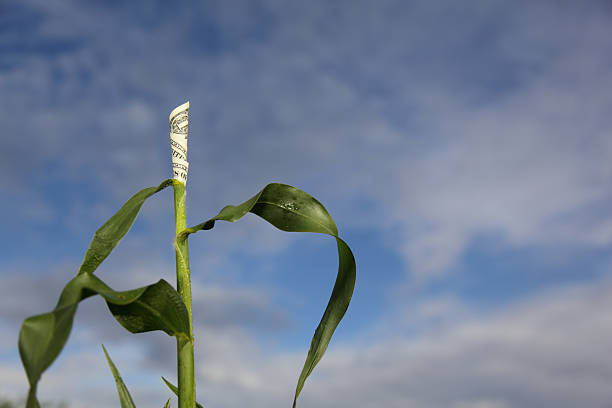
<point>179,126</point>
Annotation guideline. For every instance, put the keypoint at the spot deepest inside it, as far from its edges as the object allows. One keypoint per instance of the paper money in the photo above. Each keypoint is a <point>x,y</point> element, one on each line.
<point>179,126</point>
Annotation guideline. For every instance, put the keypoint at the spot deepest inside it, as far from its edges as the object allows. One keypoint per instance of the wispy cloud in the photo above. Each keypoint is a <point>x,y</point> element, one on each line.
<point>431,124</point>
<point>529,355</point>
<point>491,127</point>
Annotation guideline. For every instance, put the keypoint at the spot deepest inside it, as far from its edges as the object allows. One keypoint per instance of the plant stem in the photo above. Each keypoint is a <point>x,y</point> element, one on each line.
<point>184,347</point>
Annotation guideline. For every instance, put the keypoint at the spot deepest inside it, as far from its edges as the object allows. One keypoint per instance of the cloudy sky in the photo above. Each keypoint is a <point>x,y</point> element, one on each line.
<point>463,148</point>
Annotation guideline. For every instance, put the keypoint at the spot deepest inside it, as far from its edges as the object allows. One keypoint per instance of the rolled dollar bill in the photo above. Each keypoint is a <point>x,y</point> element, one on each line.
<point>179,126</point>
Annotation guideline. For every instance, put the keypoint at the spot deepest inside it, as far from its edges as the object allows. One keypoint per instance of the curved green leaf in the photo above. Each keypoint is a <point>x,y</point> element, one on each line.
<point>42,337</point>
<point>291,209</point>
<point>285,207</point>
<point>124,395</point>
<point>174,389</point>
<point>159,307</point>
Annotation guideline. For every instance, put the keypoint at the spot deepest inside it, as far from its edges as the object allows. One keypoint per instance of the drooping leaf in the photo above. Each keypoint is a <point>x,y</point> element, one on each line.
<point>291,209</point>
<point>42,337</point>
<point>174,389</point>
<point>160,307</point>
<point>124,395</point>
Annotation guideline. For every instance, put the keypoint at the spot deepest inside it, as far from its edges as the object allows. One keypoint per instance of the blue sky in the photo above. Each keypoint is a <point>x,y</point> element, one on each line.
<point>463,150</point>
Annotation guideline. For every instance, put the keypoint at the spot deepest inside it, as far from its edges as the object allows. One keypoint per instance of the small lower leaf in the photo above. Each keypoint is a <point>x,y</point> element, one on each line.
<point>174,389</point>
<point>124,395</point>
<point>167,403</point>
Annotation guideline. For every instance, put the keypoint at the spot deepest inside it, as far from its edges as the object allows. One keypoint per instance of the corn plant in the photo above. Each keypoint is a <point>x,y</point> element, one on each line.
<point>161,306</point>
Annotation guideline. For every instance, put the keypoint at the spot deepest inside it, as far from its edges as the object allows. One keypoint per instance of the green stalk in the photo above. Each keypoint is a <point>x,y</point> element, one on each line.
<point>184,347</point>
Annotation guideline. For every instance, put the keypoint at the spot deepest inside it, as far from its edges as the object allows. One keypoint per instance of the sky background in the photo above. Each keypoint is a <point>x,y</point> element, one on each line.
<point>463,148</point>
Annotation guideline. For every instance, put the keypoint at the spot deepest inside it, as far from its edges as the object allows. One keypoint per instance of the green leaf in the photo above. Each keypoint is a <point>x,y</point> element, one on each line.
<point>43,337</point>
<point>154,307</point>
<point>291,209</point>
<point>108,235</point>
<point>284,206</point>
<point>174,389</point>
<point>167,403</point>
<point>124,395</point>
<point>159,307</point>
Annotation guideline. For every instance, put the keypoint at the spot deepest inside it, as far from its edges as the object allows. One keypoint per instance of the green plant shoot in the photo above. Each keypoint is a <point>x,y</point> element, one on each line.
<point>161,306</point>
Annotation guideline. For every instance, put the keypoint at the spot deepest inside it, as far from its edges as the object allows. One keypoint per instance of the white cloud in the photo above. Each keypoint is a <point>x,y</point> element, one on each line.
<point>529,164</point>
<point>548,351</point>
<point>448,133</point>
